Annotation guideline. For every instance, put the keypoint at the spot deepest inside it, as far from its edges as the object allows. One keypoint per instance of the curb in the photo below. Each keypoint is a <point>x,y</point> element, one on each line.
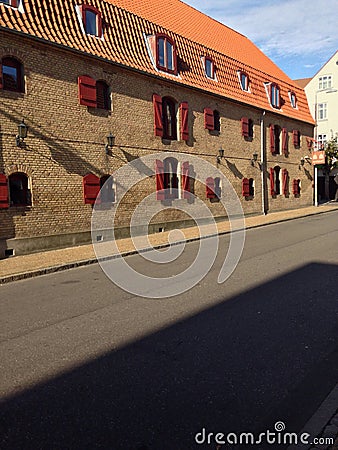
<point>72,265</point>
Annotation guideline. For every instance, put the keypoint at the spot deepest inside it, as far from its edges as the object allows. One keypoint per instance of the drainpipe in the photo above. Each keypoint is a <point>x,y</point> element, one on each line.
<point>263,164</point>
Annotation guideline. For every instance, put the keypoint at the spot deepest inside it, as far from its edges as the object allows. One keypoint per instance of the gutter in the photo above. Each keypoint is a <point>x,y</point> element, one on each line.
<point>263,165</point>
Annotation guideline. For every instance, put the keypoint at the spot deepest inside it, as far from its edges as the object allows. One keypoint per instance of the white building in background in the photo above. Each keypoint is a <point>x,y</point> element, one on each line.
<point>322,95</point>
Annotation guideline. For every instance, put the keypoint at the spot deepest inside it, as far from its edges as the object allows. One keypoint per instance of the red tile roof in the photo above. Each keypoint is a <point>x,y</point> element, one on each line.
<point>126,22</point>
<point>303,82</point>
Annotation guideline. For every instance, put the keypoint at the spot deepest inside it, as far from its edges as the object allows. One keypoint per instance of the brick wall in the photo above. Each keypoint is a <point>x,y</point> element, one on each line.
<point>66,140</point>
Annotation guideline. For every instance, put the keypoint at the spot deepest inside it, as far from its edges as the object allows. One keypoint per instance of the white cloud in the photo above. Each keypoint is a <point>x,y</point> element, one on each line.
<point>280,29</point>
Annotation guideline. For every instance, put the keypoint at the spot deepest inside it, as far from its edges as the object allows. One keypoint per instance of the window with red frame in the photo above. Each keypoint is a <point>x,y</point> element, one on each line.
<point>275,95</point>
<point>92,20</point>
<point>166,54</point>
<point>19,192</point>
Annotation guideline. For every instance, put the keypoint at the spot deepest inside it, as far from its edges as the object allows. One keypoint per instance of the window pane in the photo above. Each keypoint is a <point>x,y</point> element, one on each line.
<point>91,23</point>
<point>244,82</point>
<point>208,68</point>
<point>160,44</point>
<point>10,78</point>
<point>170,57</point>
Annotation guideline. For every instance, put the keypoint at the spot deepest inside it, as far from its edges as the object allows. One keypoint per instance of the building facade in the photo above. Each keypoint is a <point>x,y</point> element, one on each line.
<point>73,74</point>
<point>322,95</point>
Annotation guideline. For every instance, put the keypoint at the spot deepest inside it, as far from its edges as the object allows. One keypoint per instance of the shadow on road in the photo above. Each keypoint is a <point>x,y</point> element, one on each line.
<point>268,354</point>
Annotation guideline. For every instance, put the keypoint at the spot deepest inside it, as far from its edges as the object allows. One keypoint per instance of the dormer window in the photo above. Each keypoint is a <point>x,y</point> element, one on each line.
<point>244,81</point>
<point>13,3</point>
<point>165,54</point>
<point>275,95</point>
<point>92,20</point>
<point>293,99</point>
<point>273,92</point>
<point>209,67</point>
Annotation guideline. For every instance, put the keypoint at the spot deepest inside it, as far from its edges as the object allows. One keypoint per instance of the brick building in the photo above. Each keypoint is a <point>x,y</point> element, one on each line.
<point>157,79</point>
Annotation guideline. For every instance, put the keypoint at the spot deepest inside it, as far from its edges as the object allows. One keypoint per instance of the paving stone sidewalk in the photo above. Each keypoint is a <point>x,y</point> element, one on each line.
<point>26,266</point>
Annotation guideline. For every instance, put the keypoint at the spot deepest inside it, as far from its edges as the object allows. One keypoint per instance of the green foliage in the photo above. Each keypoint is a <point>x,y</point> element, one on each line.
<point>331,150</point>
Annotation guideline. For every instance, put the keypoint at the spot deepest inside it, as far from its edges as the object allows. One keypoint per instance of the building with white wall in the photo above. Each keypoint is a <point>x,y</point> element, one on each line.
<point>322,95</point>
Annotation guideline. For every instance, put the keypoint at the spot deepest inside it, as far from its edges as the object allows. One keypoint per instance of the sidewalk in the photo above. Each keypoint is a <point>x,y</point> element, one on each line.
<point>27,266</point>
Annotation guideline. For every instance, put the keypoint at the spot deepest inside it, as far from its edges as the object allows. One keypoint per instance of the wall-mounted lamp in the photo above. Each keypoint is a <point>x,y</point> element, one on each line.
<point>110,142</point>
<point>302,161</point>
<point>254,158</point>
<point>220,155</point>
<point>22,133</point>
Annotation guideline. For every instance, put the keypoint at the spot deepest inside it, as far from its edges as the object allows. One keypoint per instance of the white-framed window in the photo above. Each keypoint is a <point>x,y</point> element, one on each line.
<point>293,99</point>
<point>244,81</point>
<point>322,111</point>
<point>321,141</point>
<point>209,67</point>
<point>325,82</point>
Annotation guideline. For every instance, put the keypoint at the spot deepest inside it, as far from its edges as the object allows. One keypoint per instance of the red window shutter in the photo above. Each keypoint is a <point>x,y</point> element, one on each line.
<point>272,182</point>
<point>296,138</point>
<point>91,188</point>
<point>285,141</point>
<point>158,116</point>
<point>184,108</point>
<point>4,203</point>
<point>246,187</point>
<point>245,126</point>
<point>210,187</point>
<point>285,177</point>
<point>209,122</point>
<point>1,82</point>
<point>87,91</point>
<point>272,139</point>
<point>159,170</point>
<point>185,180</point>
<point>296,187</point>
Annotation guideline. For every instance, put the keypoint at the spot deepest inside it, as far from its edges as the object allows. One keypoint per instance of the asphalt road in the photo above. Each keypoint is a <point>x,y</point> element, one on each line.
<point>85,365</point>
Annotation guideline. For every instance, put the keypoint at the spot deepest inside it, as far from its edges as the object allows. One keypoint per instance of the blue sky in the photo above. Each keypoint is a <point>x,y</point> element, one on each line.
<point>300,36</point>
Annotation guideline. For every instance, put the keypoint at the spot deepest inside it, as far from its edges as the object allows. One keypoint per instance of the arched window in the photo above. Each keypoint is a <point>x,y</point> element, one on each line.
<point>166,54</point>
<point>12,75</point>
<point>275,182</point>
<point>169,118</point>
<point>244,81</point>
<point>275,95</point>
<point>102,95</point>
<point>170,177</point>
<point>19,190</point>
